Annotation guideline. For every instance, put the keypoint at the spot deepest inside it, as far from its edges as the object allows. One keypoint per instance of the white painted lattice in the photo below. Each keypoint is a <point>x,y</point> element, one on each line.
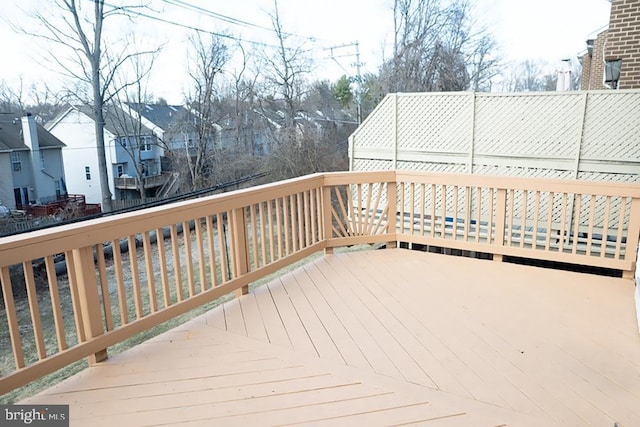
<point>587,135</point>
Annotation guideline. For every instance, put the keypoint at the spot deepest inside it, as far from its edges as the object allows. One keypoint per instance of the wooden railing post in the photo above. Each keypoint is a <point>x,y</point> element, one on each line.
<point>326,216</point>
<point>89,301</point>
<point>501,214</point>
<point>633,236</point>
<point>392,211</point>
<point>240,245</point>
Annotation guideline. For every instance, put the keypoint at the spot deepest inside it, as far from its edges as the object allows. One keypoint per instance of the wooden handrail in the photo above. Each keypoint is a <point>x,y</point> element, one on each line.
<point>241,236</point>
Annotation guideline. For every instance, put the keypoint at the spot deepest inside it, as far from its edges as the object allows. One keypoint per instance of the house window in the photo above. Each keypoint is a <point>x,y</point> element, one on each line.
<point>58,188</point>
<point>145,143</point>
<point>87,173</point>
<point>41,160</point>
<point>123,141</point>
<point>612,72</point>
<point>16,161</point>
<point>119,169</point>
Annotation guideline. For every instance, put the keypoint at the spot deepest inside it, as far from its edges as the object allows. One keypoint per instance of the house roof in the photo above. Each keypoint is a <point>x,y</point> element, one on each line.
<point>11,137</point>
<point>161,115</point>
<point>116,121</point>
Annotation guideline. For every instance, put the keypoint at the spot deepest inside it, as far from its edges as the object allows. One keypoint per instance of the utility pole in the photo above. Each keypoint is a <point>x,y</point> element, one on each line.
<point>358,65</point>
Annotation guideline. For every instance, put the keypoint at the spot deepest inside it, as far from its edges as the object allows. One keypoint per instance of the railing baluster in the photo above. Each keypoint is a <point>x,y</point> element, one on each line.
<point>490,227</point>
<point>313,212</point>
<point>454,216</point>
<point>563,222</point>
<point>592,214</point>
<point>148,259</point>
<point>254,236</point>
<point>12,317</point>
<point>501,212</point>
<point>623,208</point>
<point>162,260</point>
<point>177,269</point>
<point>577,208</point>
<point>75,299</point>
<point>391,210</point>
<point>525,213</point>
<point>423,202</point>
<point>443,229</point>
<point>307,218</point>
<point>56,306</point>
<point>34,309</point>
<point>547,243</point>
<point>135,276</point>
<point>122,296</point>
<point>286,217</point>
<point>279,227</point>
<point>300,216</point>
<point>433,210</point>
<point>467,213</point>
<point>510,220</point>
<point>605,227</point>
<point>263,234</point>
<point>478,213</point>
<point>188,258</point>
<point>211,248</point>
<point>272,235</point>
<point>222,244</point>
<point>402,207</point>
<point>202,267</point>
<point>412,205</point>
<point>104,285</point>
<point>536,218</point>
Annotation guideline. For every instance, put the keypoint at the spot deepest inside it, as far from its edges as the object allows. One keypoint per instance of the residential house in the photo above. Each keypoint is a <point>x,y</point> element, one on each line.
<point>133,152</point>
<point>31,162</point>
<point>612,60</point>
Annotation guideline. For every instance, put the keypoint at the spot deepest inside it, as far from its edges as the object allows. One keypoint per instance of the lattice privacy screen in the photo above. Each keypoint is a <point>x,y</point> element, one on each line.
<point>587,135</point>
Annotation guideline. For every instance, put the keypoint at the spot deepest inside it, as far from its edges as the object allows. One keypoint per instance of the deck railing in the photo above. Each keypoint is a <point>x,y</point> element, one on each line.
<point>93,284</point>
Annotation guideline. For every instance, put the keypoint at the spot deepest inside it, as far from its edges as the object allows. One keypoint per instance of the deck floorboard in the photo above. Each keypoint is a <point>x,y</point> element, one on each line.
<point>387,337</point>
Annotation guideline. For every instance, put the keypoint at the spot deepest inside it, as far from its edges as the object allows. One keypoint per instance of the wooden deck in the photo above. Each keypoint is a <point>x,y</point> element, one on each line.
<point>387,337</point>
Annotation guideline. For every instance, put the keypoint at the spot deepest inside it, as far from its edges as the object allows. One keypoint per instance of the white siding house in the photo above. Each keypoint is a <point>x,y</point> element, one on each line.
<point>127,159</point>
<point>76,129</point>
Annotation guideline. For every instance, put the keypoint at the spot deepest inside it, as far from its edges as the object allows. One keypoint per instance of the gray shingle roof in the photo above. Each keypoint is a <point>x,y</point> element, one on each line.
<point>11,137</point>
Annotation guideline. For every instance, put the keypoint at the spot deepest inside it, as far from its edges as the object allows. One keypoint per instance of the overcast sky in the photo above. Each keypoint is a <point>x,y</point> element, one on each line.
<point>545,30</point>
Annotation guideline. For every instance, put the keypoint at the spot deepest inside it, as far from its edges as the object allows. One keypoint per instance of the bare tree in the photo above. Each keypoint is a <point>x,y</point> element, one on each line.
<point>528,76</point>
<point>206,62</point>
<point>125,113</point>
<point>285,69</point>
<point>437,48</point>
<point>89,61</point>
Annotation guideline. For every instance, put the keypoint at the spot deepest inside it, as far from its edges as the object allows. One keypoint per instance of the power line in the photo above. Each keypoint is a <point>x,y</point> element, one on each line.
<point>200,30</point>
<point>225,18</point>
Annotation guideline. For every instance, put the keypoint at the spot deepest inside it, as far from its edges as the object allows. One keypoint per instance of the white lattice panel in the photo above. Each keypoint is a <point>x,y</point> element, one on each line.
<point>612,127</point>
<point>372,165</point>
<point>432,167</point>
<point>378,130</point>
<point>528,125</point>
<point>441,126</point>
<point>591,135</point>
<point>523,134</point>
